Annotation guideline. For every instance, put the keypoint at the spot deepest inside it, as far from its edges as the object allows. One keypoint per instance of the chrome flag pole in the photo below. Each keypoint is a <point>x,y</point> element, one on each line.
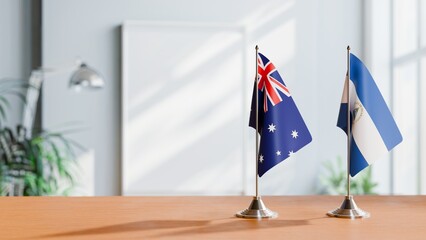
<point>257,208</point>
<point>348,209</point>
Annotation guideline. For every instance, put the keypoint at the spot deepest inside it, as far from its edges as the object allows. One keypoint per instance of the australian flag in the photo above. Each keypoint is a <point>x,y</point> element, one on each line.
<point>281,127</point>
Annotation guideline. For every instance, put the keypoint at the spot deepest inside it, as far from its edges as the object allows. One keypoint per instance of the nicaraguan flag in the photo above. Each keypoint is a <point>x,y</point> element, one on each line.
<point>374,131</point>
<point>281,127</point>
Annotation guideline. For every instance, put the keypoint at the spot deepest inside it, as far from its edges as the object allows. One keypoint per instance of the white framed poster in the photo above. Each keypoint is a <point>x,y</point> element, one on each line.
<point>184,109</point>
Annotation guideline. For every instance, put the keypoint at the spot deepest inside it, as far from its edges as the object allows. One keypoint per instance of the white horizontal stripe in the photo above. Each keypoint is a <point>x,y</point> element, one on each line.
<point>366,135</point>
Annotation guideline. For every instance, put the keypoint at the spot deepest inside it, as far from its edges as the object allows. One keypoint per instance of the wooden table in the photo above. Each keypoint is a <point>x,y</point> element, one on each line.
<point>300,217</point>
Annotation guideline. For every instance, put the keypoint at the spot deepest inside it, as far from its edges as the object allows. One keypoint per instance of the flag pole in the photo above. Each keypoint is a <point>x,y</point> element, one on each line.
<point>348,209</point>
<point>257,208</point>
<point>257,123</point>
<point>348,155</point>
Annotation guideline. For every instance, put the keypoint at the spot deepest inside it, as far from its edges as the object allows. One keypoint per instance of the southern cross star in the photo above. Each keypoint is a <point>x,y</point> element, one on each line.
<point>272,127</point>
<point>294,134</point>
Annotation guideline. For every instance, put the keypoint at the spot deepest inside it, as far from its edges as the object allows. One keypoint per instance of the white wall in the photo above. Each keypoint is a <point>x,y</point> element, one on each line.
<point>306,39</point>
<point>15,47</point>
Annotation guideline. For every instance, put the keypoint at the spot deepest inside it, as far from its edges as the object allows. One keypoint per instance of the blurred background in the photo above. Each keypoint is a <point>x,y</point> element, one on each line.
<point>172,115</point>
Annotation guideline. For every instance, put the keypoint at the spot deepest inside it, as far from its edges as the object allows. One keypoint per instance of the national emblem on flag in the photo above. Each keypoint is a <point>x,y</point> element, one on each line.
<point>374,131</point>
<point>281,126</point>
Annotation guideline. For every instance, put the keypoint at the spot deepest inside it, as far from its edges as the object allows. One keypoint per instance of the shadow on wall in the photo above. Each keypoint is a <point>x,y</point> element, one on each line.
<point>187,103</point>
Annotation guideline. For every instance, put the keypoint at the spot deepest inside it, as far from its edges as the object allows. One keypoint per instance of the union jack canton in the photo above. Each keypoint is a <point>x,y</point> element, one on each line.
<point>281,127</point>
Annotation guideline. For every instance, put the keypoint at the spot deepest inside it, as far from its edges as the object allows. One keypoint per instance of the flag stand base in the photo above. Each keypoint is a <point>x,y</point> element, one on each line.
<point>349,209</point>
<point>257,209</point>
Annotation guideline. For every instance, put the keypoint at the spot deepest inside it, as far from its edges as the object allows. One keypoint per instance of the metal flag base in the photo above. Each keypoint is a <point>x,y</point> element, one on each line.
<point>349,209</point>
<point>257,209</point>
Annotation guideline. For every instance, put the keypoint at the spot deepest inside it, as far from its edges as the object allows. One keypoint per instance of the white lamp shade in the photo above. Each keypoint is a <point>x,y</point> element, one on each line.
<point>86,77</point>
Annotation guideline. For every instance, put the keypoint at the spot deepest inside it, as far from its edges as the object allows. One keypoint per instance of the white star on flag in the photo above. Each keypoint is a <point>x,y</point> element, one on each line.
<point>272,127</point>
<point>261,159</point>
<point>278,153</point>
<point>294,134</point>
<point>290,153</point>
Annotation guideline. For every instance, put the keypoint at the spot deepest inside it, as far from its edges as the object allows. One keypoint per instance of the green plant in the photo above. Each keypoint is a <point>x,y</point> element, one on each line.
<point>40,164</point>
<point>334,180</point>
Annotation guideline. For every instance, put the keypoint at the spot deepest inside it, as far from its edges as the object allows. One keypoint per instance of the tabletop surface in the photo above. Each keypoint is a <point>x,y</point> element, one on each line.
<point>300,217</point>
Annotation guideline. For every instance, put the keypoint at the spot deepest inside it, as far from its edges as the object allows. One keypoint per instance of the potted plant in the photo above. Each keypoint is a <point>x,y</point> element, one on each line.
<point>40,164</point>
<point>334,180</point>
